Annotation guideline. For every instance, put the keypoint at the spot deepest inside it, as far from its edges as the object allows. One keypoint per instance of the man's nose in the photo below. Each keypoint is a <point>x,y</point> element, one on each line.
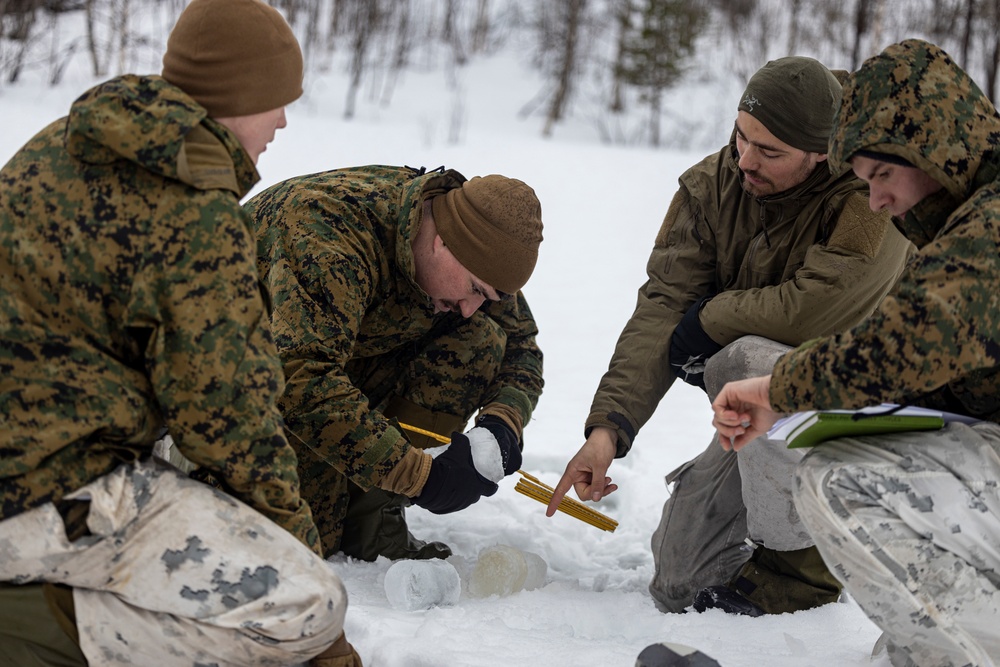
<point>877,199</point>
<point>748,160</point>
<point>471,305</point>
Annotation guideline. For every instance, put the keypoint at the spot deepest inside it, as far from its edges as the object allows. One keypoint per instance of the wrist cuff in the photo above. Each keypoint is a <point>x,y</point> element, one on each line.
<point>409,476</point>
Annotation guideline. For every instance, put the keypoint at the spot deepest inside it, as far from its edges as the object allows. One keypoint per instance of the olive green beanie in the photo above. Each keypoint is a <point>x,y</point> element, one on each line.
<point>795,98</point>
<point>234,57</point>
<point>493,226</point>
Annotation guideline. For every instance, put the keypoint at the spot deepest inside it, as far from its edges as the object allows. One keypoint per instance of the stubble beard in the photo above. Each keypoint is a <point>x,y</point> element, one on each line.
<point>801,174</point>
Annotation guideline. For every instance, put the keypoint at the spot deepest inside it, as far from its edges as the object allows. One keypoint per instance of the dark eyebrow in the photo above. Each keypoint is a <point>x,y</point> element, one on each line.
<point>483,289</point>
<point>876,165</point>
<point>763,147</point>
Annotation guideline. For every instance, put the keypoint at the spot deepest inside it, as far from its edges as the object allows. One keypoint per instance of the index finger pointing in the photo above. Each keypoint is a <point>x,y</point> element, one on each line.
<point>564,485</point>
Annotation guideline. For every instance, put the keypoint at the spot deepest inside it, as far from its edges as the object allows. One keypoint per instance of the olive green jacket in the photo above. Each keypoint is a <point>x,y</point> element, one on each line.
<point>936,341</point>
<point>789,267</point>
<point>129,302</point>
<point>335,252</point>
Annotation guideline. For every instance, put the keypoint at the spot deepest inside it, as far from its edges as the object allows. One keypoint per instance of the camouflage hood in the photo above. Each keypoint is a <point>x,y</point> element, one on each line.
<point>912,101</point>
<point>933,342</point>
<point>156,125</point>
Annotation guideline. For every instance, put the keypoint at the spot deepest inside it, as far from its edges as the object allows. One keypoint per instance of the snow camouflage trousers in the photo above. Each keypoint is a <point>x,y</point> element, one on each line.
<point>177,573</point>
<point>910,523</point>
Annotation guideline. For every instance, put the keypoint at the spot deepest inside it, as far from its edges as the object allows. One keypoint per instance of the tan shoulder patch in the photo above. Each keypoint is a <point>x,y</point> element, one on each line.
<point>859,229</point>
<point>205,163</point>
<point>670,218</point>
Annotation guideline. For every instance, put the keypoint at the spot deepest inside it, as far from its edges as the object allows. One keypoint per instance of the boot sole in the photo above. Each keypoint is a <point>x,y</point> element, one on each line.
<point>674,655</point>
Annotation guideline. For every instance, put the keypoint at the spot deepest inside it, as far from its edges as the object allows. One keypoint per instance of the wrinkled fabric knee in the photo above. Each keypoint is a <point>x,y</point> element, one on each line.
<point>746,357</point>
<point>699,539</point>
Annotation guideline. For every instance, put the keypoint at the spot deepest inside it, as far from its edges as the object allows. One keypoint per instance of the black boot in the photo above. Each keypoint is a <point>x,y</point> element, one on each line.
<point>375,526</point>
<point>726,599</point>
<point>774,582</point>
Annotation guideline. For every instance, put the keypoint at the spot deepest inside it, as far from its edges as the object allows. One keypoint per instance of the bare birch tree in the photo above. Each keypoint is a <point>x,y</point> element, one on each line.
<point>570,17</point>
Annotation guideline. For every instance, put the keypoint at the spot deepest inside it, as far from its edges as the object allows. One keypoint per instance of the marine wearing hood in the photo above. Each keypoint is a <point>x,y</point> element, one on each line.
<point>121,230</point>
<point>913,102</point>
<point>932,342</point>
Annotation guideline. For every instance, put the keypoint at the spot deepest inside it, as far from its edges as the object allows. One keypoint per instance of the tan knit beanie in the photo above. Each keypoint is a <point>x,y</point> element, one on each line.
<point>234,57</point>
<point>493,226</point>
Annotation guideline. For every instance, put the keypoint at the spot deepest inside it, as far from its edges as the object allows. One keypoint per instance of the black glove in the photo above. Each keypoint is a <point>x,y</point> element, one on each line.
<point>510,448</point>
<point>691,347</point>
<point>453,483</point>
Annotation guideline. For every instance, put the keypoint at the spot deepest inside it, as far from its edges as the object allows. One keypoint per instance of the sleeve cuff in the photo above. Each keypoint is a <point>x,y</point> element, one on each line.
<point>409,475</point>
<point>616,421</point>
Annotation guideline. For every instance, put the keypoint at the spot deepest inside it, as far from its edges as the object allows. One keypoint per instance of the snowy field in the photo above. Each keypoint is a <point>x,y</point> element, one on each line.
<point>602,207</point>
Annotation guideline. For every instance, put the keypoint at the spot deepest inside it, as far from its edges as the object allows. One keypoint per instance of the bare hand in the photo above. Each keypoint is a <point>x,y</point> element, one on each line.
<point>743,412</point>
<point>587,471</point>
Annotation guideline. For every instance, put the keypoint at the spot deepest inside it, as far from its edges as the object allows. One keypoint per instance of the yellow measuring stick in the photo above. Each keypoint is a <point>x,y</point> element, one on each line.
<point>532,487</point>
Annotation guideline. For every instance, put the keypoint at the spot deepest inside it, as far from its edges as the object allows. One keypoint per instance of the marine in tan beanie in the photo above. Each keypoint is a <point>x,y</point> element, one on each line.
<point>402,272</point>
<point>493,226</point>
<point>240,60</point>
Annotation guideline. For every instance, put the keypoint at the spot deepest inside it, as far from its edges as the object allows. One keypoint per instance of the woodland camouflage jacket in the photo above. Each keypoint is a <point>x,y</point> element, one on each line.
<point>936,341</point>
<point>335,252</point>
<point>806,262</point>
<point>129,302</point>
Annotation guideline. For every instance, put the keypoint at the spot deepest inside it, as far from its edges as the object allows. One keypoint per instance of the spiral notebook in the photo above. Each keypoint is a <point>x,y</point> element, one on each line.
<point>811,427</point>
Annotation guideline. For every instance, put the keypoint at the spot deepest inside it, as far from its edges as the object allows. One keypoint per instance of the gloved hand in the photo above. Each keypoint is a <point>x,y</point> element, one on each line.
<point>691,347</point>
<point>454,483</point>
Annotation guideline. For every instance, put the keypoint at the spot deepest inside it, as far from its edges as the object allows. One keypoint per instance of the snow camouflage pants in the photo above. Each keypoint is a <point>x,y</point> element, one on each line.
<point>910,523</point>
<point>177,573</point>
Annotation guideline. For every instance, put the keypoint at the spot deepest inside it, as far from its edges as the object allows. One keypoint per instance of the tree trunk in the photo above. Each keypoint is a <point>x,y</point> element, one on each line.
<point>336,16</point>
<point>970,10</point>
<point>24,22</point>
<point>95,57</point>
<point>122,27</point>
<point>655,107</point>
<point>365,23</point>
<point>623,23</point>
<point>860,27</point>
<point>993,62</point>
<point>794,9</point>
<point>310,41</point>
<point>567,65</point>
<point>450,10</point>
<point>401,52</point>
<point>452,37</point>
<point>481,32</point>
